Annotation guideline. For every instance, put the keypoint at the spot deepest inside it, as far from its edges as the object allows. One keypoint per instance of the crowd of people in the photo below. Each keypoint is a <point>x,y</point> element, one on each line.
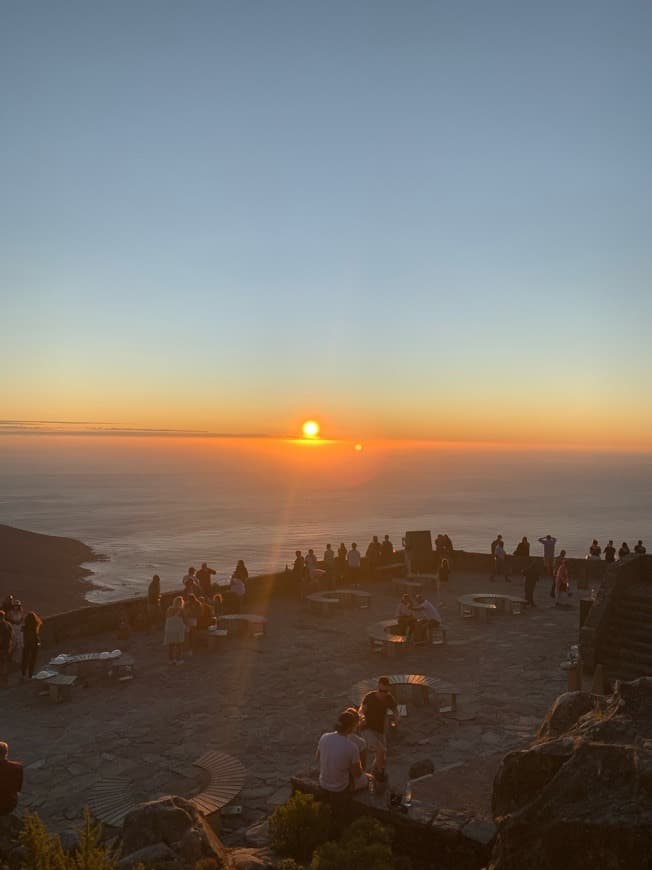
<point>343,566</point>
<point>19,638</point>
<point>198,607</point>
<point>555,566</point>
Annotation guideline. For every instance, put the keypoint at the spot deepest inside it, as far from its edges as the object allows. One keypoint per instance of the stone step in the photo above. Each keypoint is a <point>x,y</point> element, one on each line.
<point>638,630</point>
<point>630,642</point>
<point>623,657</point>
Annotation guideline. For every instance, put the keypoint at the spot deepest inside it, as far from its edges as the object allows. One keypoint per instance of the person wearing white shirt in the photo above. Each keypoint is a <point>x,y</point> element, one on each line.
<point>427,615</point>
<point>339,761</point>
<point>238,591</point>
<point>353,561</point>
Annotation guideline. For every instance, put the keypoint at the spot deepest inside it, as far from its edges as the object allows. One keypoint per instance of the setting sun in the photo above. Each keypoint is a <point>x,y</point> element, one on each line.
<point>310,429</point>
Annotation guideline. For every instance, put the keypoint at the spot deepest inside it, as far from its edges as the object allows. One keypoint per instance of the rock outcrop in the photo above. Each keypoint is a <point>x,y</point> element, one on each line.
<point>581,795</point>
<point>174,829</point>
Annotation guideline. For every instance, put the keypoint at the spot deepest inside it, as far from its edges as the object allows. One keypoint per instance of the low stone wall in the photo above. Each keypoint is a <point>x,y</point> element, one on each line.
<point>454,839</point>
<point>100,618</point>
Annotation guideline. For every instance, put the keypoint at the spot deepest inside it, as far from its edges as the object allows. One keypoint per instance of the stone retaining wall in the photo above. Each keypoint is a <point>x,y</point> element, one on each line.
<point>100,618</point>
<point>452,839</point>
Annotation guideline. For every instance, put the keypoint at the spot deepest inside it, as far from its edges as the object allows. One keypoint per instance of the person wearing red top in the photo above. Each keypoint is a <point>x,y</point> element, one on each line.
<point>11,781</point>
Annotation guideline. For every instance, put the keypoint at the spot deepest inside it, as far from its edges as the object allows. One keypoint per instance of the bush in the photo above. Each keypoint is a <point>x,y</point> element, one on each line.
<point>364,844</point>
<point>299,825</point>
<point>44,851</point>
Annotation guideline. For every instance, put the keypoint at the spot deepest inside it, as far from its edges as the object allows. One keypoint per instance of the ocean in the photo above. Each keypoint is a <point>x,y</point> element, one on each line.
<point>160,505</point>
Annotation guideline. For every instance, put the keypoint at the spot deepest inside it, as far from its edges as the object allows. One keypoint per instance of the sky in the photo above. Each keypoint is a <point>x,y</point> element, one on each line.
<point>425,221</point>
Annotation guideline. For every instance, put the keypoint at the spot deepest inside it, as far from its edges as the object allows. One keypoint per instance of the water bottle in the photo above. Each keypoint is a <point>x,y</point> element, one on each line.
<point>407,794</point>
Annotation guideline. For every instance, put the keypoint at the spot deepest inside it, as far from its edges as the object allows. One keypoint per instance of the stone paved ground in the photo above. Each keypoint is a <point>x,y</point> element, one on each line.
<point>267,700</point>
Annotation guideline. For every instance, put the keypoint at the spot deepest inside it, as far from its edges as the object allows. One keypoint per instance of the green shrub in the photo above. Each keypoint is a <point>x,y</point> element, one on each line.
<point>364,844</point>
<point>44,851</point>
<point>299,825</point>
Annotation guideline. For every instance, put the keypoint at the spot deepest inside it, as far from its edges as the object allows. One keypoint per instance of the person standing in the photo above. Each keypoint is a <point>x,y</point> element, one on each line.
<point>298,571</point>
<point>329,566</point>
<point>624,550</point>
<point>562,580</point>
<point>341,563</point>
<point>548,553</point>
<point>11,781</point>
<point>154,602</point>
<point>339,761</point>
<point>373,556</point>
<point>639,549</point>
<point>531,575</point>
<point>500,560</point>
<point>353,561</point>
<point>374,709</point>
<point>386,551</point>
<point>175,631</point>
<point>522,554</point>
<point>6,644</point>
<point>610,553</point>
<point>31,642</point>
<point>444,573</point>
<point>204,579</point>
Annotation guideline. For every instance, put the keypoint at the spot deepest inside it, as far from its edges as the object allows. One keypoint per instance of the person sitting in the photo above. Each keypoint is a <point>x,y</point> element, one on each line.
<point>11,781</point>
<point>339,761</point>
<point>404,615</point>
<point>241,571</point>
<point>639,549</point>
<point>218,605</point>
<point>624,550</point>
<point>237,590</point>
<point>362,781</point>
<point>427,618</point>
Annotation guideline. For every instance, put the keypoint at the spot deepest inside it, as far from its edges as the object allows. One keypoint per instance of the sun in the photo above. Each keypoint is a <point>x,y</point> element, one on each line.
<point>310,429</point>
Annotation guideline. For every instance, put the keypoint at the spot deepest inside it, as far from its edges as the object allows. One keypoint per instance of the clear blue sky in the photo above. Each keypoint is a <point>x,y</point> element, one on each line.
<point>225,215</point>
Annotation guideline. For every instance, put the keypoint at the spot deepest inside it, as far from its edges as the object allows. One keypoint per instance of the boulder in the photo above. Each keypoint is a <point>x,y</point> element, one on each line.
<point>252,859</point>
<point>564,713</point>
<point>174,823</point>
<point>258,834</point>
<point>581,795</point>
<point>159,855</point>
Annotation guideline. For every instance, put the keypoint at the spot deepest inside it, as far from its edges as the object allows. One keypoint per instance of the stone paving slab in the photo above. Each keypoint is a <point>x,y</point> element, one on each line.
<point>267,703</point>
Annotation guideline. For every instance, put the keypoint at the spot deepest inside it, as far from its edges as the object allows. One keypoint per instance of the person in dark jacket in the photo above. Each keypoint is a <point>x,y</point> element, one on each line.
<point>531,575</point>
<point>31,642</point>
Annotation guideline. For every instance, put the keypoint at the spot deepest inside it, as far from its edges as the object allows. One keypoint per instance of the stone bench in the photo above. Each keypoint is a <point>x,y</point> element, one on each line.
<point>324,603</point>
<point>251,624</point>
<point>420,688</point>
<point>327,602</point>
<point>480,605</point>
<point>385,634</point>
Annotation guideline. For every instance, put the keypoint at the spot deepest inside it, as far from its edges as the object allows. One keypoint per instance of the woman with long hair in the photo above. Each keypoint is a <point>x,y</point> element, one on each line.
<point>31,642</point>
<point>175,631</point>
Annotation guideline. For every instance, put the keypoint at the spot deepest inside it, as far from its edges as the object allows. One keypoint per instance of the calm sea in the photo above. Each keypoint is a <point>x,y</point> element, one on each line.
<point>158,510</point>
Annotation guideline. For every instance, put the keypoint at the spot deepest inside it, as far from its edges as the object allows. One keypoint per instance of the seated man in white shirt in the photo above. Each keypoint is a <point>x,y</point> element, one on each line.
<point>339,761</point>
<point>427,616</point>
